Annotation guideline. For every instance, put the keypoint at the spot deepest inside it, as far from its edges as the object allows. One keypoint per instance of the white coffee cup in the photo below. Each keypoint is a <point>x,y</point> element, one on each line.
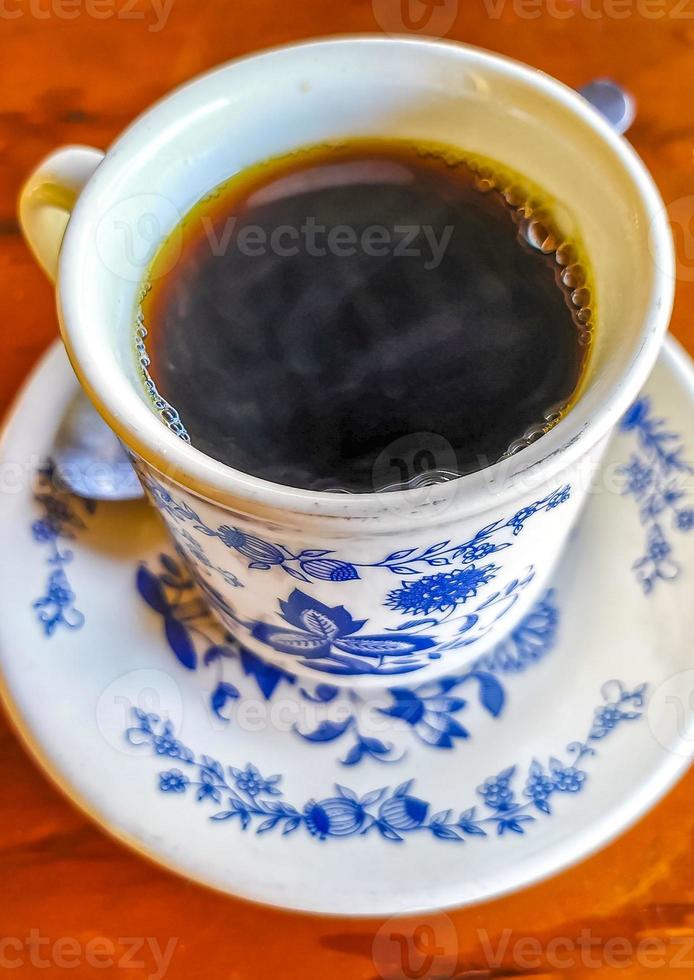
<point>365,588</point>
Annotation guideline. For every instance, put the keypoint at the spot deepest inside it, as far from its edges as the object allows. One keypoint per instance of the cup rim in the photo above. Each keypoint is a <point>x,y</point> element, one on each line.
<point>148,438</point>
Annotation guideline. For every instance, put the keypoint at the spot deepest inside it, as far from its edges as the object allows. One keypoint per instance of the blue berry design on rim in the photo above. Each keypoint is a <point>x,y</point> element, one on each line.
<point>323,565</point>
<point>656,477</point>
<point>508,802</point>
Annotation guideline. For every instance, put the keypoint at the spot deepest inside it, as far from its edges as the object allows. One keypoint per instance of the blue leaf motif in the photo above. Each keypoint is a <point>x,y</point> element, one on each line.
<point>394,814</point>
<point>295,573</point>
<point>266,675</point>
<point>444,833</point>
<point>385,645</point>
<point>327,731</point>
<point>374,746</point>
<point>288,641</point>
<point>170,564</point>
<point>151,591</point>
<point>221,694</point>
<point>317,622</point>
<point>398,555</point>
<point>321,694</point>
<point>354,756</point>
<point>180,641</point>
<point>216,652</point>
<point>492,695</point>
<point>412,624</point>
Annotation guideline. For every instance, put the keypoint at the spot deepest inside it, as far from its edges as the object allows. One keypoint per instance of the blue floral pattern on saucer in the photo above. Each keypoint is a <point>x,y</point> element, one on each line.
<point>656,478</point>
<point>508,801</point>
<point>58,523</point>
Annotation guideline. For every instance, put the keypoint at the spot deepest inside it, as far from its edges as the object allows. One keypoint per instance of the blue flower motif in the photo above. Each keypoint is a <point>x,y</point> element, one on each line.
<point>496,791</point>
<point>539,787</point>
<point>568,779</point>
<point>167,744</point>
<point>173,781</point>
<point>395,813</point>
<point>313,564</point>
<point>639,478</point>
<point>261,553</point>
<point>404,812</point>
<point>60,520</point>
<point>430,717</point>
<point>338,816</point>
<point>658,546</point>
<point>56,608</point>
<point>558,497</point>
<point>635,417</point>
<point>442,591</point>
<point>44,530</point>
<point>326,632</point>
<point>59,590</point>
<point>517,522</point>
<point>608,717</point>
<point>250,781</point>
<point>655,477</point>
<point>475,552</point>
<point>329,570</point>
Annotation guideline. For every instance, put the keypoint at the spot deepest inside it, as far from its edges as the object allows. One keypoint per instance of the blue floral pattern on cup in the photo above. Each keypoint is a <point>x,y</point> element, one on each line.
<point>431,712</point>
<point>315,564</point>
<point>507,802</point>
<point>655,477</point>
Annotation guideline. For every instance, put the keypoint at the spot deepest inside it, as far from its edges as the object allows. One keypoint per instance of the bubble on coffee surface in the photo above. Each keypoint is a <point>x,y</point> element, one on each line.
<point>536,232</point>
<point>167,413</point>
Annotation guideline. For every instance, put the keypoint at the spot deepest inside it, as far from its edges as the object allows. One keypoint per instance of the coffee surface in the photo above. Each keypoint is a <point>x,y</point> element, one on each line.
<point>330,306</point>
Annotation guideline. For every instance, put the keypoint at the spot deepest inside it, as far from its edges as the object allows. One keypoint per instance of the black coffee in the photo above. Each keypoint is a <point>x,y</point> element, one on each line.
<point>331,305</point>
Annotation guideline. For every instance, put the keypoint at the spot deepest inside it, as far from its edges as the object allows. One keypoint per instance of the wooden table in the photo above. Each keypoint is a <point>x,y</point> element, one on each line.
<point>75,71</point>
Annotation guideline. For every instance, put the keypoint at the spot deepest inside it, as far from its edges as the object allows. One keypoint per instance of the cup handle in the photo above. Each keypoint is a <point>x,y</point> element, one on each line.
<point>48,197</point>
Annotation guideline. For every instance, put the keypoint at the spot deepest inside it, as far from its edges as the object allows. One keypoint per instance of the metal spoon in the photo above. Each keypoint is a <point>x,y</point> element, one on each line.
<point>89,459</point>
<point>612,101</point>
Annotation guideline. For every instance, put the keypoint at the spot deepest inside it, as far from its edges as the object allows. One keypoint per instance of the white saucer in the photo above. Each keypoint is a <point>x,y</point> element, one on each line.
<point>468,788</point>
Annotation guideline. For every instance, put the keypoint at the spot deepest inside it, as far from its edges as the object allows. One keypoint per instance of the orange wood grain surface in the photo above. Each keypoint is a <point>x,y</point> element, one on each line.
<point>76,71</point>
